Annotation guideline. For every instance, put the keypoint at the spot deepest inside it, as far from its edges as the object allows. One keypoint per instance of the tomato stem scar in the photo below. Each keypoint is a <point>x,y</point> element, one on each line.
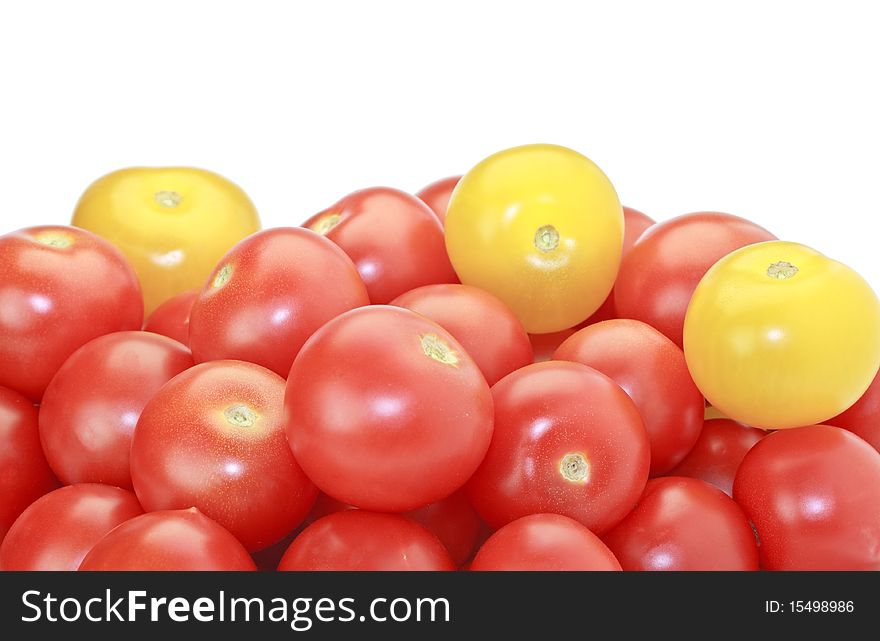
<point>782,270</point>
<point>168,199</point>
<point>240,415</point>
<point>436,348</point>
<point>547,238</point>
<point>325,224</point>
<point>575,467</point>
<point>223,276</point>
<point>54,239</point>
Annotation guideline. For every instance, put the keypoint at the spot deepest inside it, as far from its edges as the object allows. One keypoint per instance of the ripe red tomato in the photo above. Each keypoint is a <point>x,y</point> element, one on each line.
<point>813,495</point>
<point>361,540</point>
<point>393,237</point>
<point>652,370</point>
<point>171,318</point>
<point>684,524</point>
<point>863,418</point>
<point>61,287</point>
<point>567,440</point>
<point>168,540</point>
<point>635,223</point>
<point>486,328</point>
<point>661,272</point>
<point>269,294</point>
<point>213,438</point>
<point>57,530</point>
<point>92,405</point>
<point>544,542</point>
<point>377,397</point>
<point>454,521</point>
<point>436,195</point>
<point>24,473</point>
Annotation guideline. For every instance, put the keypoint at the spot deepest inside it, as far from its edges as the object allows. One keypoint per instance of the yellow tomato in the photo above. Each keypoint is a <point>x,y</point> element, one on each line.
<point>172,223</point>
<point>778,335</point>
<point>541,227</point>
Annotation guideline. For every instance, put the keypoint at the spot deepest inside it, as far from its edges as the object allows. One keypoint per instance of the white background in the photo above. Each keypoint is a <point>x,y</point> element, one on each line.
<point>768,110</point>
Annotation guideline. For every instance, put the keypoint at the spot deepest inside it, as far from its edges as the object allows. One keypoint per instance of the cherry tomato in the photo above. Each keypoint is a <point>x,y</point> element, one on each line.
<point>567,440</point>
<point>484,326</point>
<point>61,287</point>
<point>172,223</point>
<point>863,418</point>
<point>684,524</point>
<point>437,194</point>
<point>57,530</point>
<point>541,228</point>
<point>778,335</point>
<point>386,411</point>
<point>812,494</point>
<point>171,318</point>
<point>93,403</point>
<point>168,540</point>
<point>659,275</point>
<point>454,521</point>
<point>544,542</point>
<point>652,370</point>
<point>213,438</point>
<point>635,223</point>
<point>269,294</point>
<point>393,237</point>
<point>361,540</point>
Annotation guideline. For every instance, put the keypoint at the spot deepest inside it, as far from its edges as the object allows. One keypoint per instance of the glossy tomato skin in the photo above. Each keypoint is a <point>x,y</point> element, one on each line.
<point>25,475</point>
<point>863,418</point>
<point>659,275</point>
<point>394,239</point>
<point>544,542</point>
<point>61,287</point>
<point>168,540</point>
<point>378,396</point>
<point>684,524</point>
<point>486,328</point>
<point>92,405</point>
<point>812,494</point>
<point>437,194</point>
<point>213,438</point>
<point>365,541</point>
<point>171,318</point>
<point>635,223</point>
<point>652,370</point>
<point>57,530</point>
<point>567,440</point>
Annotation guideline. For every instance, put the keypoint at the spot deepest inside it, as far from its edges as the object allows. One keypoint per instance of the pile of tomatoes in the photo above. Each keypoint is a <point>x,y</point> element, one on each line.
<point>508,370</point>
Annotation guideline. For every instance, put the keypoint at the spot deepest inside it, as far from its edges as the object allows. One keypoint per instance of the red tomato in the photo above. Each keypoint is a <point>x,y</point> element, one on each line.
<point>652,370</point>
<point>58,529</point>
<point>386,411</point>
<point>93,403</point>
<point>361,540</point>
<point>454,521</point>
<point>544,542</point>
<point>813,495</point>
<point>863,418</point>
<point>24,473</point>
<point>168,540</point>
<point>394,239</point>
<point>269,294</point>
<point>635,223</point>
<point>486,328</point>
<point>436,195</point>
<point>213,438</point>
<point>718,452</point>
<point>684,524</point>
<point>171,318</point>
<point>661,272</point>
<point>61,287</point>
<point>567,440</point>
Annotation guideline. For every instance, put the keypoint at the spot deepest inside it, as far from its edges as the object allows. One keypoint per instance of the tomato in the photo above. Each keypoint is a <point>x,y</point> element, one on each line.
<point>567,440</point>
<point>660,273</point>
<point>57,530</point>
<point>437,194</point>
<point>684,524</point>
<point>652,370</point>
<point>24,473</point>
<point>171,318</point>
<point>635,224</point>
<point>361,540</point>
<point>454,521</point>
<point>91,406</point>
<point>863,418</point>
<point>778,335</point>
<point>544,345</point>
<point>812,494</point>
<point>213,438</point>
<point>61,287</point>
<point>393,237</point>
<point>168,540</point>
<point>541,228</point>
<point>386,411</point>
<point>484,326</point>
<point>544,542</point>
<point>718,452</point>
<point>172,223</point>
<point>269,294</point>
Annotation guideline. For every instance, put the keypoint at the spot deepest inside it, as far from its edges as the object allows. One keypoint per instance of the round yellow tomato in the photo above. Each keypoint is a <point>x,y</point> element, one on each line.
<point>172,223</point>
<point>778,335</point>
<point>541,227</point>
